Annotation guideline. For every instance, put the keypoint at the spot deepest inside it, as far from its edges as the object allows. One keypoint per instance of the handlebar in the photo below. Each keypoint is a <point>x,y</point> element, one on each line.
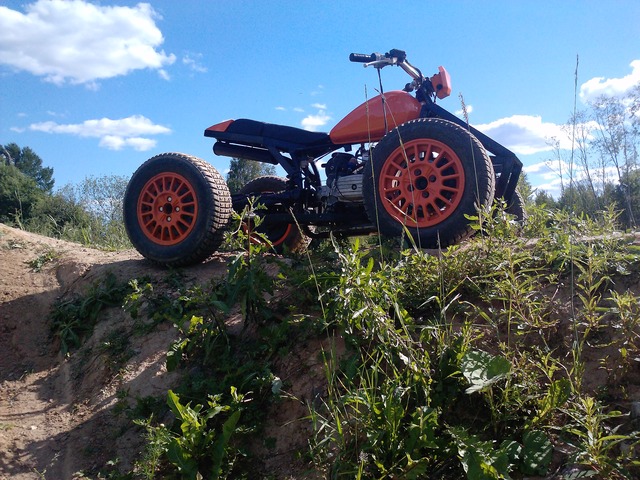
<point>437,85</point>
<point>393,57</point>
<point>362,57</point>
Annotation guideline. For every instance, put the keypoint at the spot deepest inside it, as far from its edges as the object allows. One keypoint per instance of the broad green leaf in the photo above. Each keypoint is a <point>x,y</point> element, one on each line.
<point>174,355</point>
<point>416,469</point>
<point>482,369</point>
<point>536,453</point>
<point>221,443</point>
<point>512,448</point>
<point>194,323</point>
<point>477,468</point>
<point>184,462</point>
<point>176,407</point>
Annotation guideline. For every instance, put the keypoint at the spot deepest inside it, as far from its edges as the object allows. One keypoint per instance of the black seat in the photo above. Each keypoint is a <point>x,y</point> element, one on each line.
<point>280,133</point>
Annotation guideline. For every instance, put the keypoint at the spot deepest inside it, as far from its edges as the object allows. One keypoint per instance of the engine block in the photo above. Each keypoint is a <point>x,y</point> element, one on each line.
<point>348,187</point>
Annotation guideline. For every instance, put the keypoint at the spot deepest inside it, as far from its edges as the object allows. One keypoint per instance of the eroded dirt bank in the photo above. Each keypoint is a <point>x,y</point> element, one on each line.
<point>61,417</point>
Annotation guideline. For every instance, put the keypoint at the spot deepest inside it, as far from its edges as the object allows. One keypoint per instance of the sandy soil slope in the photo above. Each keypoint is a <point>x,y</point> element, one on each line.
<point>59,415</point>
<point>56,412</point>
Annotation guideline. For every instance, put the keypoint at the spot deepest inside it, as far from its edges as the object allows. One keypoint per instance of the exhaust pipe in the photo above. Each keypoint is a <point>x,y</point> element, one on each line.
<point>249,153</point>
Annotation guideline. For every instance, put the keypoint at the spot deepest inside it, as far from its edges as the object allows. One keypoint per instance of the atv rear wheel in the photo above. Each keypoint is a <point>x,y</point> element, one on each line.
<point>176,208</point>
<point>425,176</point>
<point>282,237</point>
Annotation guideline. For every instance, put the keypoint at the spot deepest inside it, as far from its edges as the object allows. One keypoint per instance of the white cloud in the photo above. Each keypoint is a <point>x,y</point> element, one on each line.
<point>78,42</point>
<point>140,144</point>
<point>553,187</point>
<point>552,175</point>
<point>194,63</point>
<point>114,142</point>
<point>53,114</point>
<point>550,171</point>
<point>281,109</point>
<point>460,113</point>
<point>525,134</point>
<point>611,87</point>
<point>298,109</point>
<point>314,122</point>
<point>319,106</point>
<point>538,168</point>
<point>163,74</point>
<point>113,134</point>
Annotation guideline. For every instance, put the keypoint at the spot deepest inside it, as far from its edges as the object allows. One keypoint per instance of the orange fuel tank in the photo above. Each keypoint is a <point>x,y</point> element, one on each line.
<point>366,123</point>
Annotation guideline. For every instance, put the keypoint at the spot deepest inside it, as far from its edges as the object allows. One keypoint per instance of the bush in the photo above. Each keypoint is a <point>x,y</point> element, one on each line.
<point>56,215</point>
<point>18,195</point>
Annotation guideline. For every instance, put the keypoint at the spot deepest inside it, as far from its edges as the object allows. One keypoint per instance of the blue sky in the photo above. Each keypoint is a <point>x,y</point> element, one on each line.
<point>96,88</point>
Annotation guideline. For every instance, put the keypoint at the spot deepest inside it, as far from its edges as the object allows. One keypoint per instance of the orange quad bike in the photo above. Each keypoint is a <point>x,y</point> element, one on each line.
<point>399,163</point>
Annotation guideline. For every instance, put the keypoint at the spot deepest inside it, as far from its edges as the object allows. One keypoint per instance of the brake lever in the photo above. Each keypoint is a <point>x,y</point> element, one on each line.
<point>381,63</point>
<point>409,87</point>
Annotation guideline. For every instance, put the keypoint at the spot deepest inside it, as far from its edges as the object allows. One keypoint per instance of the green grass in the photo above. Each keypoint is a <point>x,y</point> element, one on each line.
<point>46,257</point>
<point>73,319</point>
<point>475,363</point>
<point>467,363</point>
<point>95,233</point>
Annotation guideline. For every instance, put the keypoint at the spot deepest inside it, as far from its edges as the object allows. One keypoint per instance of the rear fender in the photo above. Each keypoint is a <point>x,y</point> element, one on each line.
<point>218,127</point>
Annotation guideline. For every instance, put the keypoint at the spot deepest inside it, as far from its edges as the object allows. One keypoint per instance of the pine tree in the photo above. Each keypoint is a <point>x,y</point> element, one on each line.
<point>29,163</point>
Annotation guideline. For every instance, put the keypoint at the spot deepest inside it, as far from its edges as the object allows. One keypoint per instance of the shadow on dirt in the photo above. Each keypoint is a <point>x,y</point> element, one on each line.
<point>63,414</point>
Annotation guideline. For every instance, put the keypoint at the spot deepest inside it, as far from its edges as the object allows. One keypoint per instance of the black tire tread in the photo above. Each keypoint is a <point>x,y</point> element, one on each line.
<point>273,181</point>
<point>516,208</point>
<point>219,203</point>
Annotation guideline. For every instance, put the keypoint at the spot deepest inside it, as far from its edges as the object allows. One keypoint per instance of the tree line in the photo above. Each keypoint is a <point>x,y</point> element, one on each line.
<point>602,169</point>
<point>89,213</point>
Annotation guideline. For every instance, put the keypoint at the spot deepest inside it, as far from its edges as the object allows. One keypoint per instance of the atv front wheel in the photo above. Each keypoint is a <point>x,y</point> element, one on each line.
<point>282,237</point>
<point>516,208</point>
<point>176,208</point>
<point>426,176</point>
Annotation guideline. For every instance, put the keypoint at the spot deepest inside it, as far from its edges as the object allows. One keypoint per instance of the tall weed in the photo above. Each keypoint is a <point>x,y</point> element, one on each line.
<point>458,359</point>
<point>73,319</point>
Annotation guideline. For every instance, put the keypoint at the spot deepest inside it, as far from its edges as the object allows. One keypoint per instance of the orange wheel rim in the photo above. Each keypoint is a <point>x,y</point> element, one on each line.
<point>280,240</point>
<point>274,242</point>
<point>249,229</point>
<point>167,209</point>
<point>421,183</point>
<point>256,240</point>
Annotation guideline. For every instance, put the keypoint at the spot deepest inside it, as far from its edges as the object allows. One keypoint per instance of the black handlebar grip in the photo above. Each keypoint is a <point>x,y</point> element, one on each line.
<point>362,57</point>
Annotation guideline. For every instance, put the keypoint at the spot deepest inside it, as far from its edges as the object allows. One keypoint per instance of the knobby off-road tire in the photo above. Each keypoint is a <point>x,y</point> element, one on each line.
<point>282,237</point>
<point>425,176</point>
<point>516,208</point>
<point>176,208</point>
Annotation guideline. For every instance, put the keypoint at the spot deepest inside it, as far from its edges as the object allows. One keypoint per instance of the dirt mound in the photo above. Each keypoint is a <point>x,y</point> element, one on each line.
<point>56,412</point>
<point>61,416</point>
